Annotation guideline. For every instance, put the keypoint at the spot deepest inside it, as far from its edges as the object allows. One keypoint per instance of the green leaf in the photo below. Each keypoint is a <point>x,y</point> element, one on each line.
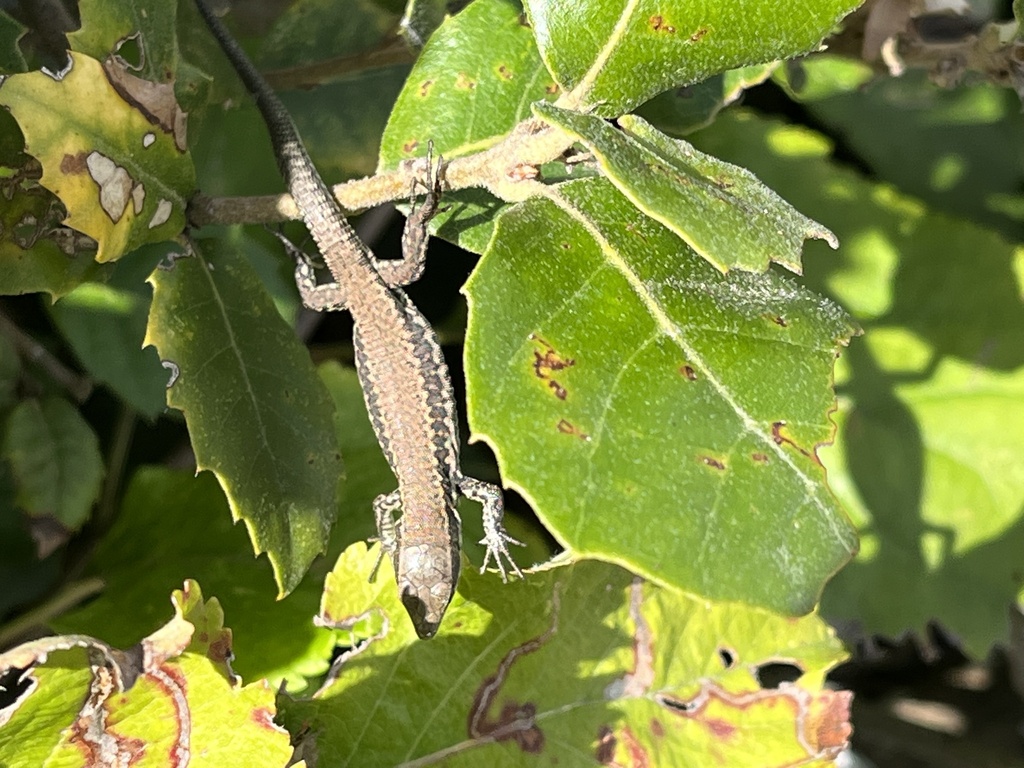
<point>611,57</point>
<point>932,399</point>
<point>123,180</point>
<point>681,110</point>
<point>720,210</point>
<point>574,665</point>
<point>482,65</point>
<point>173,526</point>
<point>823,75</point>
<point>653,411</point>
<point>105,323</point>
<point>258,417</point>
<point>11,58</point>
<point>174,700</point>
<point>952,152</point>
<point>10,371</point>
<point>36,253</point>
<point>56,461</point>
<point>141,33</point>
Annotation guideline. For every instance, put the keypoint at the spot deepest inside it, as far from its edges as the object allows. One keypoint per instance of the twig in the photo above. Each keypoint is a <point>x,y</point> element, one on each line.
<point>79,387</point>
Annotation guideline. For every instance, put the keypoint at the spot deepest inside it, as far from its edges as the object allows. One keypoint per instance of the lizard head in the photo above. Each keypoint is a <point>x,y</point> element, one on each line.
<point>427,576</point>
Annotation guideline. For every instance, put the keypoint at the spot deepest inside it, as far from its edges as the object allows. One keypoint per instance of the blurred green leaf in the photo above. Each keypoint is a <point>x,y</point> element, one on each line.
<point>620,378</point>
<point>932,399</point>
<point>720,210</point>
<point>679,111</point>
<point>11,58</point>
<point>574,664</point>
<point>609,58</point>
<point>956,149</point>
<point>105,324</point>
<point>258,417</point>
<point>822,75</point>
<point>174,526</point>
<point>55,458</point>
<point>10,370</point>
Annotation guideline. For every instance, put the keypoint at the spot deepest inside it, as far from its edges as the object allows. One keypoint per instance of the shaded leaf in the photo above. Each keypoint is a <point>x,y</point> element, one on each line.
<point>105,323</point>
<point>681,110</point>
<point>952,149</point>
<point>123,181</point>
<point>720,210</point>
<point>931,400</point>
<point>653,411</point>
<point>611,57</point>
<point>11,58</point>
<point>420,19</point>
<point>142,34</point>
<point>575,664</point>
<point>36,252</point>
<point>172,526</point>
<point>10,370</point>
<point>172,699</point>
<point>258,417</point>
<point>55,458</point>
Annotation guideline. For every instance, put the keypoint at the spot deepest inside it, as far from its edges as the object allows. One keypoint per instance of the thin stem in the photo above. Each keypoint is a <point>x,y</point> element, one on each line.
<point>79,387</point>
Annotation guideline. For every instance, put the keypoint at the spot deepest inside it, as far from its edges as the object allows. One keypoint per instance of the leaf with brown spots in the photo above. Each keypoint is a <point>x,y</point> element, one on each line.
<point>611,57</point>
<point>580,660</point>
<point>697,415</point>
<point>172,698</point>
<point>123,180</point>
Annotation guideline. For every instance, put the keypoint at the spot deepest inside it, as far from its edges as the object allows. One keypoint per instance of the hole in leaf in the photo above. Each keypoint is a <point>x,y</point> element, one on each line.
<point>13,686</point>
<point>727,657</point>
<point>130,51</point>
<point>773,674</point>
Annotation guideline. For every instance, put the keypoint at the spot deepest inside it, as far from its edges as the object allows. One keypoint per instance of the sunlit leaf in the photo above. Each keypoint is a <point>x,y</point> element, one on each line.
<point>931,399</point>
<point>171,700</point>
<point>720,210</point>
<point>655,412</point>
<point>610,57</point>
<point>575,664</point>
<point>123,180</point>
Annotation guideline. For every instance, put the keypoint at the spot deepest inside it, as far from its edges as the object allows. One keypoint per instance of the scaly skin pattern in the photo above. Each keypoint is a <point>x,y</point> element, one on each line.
<point>404,378</point>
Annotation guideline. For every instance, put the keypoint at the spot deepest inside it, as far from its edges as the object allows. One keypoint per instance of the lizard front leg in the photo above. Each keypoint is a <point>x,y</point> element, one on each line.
<point>408,269</point>
<point>329,297</point>
<point>496,538</point>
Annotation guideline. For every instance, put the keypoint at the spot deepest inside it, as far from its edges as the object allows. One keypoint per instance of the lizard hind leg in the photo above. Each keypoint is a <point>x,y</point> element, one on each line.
<point>384,508</point>
<point>496,538</point>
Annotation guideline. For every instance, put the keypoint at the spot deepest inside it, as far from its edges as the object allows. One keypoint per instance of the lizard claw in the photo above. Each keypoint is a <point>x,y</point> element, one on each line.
<point>496,540</point>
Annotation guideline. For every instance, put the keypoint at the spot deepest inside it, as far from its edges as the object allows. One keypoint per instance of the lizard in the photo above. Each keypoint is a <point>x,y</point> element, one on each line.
<point>404,378</point>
